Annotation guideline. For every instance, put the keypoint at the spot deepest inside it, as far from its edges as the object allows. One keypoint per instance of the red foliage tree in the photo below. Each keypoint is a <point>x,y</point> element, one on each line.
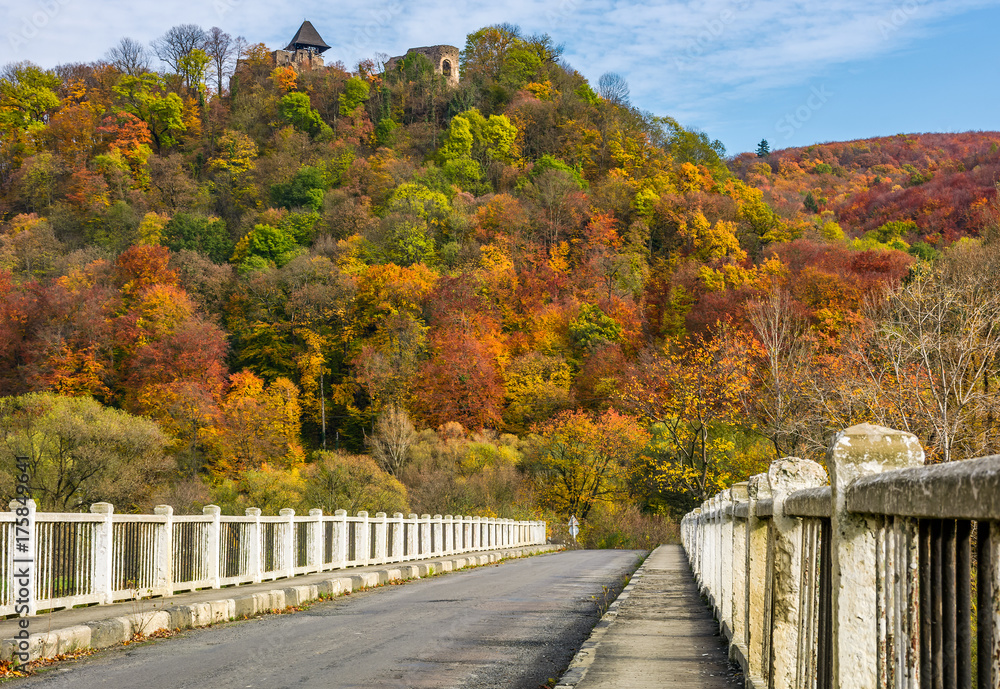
<point>460,383</point>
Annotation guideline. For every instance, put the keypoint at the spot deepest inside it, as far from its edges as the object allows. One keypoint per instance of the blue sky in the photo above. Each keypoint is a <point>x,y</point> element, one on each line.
<point>790,71</point>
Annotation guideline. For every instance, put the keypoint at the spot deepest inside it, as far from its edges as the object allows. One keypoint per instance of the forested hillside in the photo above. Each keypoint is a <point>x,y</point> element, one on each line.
<point>522,295</point>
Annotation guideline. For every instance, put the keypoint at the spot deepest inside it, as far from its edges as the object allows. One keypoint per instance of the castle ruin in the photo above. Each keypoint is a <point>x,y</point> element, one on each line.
<point>304,53</point>
<point>443,57</point>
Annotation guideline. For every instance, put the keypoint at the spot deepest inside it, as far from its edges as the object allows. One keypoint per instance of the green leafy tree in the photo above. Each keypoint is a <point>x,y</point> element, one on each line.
<point>338,481</point>
<point>80,452</point>
<point>304,190</point>
<point>593,328</point>
<point>199,233</point>
<point>474,143</point>
<point>356,93</point>
<point>264,246</point>
<point>297,109</point>
<point>27,93</point>
<point>549,162</point>
<point>146,97</point>
<point>691,146</point>
<point>193,67</point>
<point>763,149</point>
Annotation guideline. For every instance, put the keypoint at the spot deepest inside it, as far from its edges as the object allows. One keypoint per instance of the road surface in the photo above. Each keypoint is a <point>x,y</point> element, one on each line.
<point>514,625</point>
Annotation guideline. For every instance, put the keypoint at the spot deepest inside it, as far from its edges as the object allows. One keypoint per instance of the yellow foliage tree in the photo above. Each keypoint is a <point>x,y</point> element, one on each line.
<point>259,425</point>
<point>690,396</point>
<point>581,461</point>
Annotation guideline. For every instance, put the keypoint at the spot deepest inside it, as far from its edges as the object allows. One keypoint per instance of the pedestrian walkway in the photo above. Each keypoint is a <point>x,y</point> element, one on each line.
<point>660,635</point>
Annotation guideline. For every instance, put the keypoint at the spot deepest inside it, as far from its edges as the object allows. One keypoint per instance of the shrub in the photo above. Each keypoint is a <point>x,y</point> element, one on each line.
<point>623,526</point>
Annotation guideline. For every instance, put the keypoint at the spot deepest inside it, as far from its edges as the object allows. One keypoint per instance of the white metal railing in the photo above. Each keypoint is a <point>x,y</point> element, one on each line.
<point>103,557</point>
<point>888,577</point>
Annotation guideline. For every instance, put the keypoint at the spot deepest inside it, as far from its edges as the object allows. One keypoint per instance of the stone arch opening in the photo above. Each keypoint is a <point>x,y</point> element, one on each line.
<point>446,68</point>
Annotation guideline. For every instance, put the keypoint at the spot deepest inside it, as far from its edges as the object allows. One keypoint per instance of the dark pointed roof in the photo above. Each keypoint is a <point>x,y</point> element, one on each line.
<point>307,38</point>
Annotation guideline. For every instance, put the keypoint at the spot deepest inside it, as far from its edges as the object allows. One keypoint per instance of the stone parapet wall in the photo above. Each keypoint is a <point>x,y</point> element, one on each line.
<point>865,582</point>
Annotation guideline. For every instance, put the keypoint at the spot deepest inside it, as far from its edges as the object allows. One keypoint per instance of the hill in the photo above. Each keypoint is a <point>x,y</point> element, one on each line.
<point>519,292</point>
<point>938,187</point>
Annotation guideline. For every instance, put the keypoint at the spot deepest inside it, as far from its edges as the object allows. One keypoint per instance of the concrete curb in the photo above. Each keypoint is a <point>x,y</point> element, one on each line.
<point>584,658</point>
<point>116,630</point>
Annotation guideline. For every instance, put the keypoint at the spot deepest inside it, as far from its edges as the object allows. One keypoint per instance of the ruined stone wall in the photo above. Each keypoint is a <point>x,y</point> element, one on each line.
<point>443,57</point>
<point>302,60</point>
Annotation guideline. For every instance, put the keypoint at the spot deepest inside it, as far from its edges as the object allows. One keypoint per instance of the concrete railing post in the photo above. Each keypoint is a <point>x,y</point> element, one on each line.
<point>859,451</point>
<point>164,556</point>
<point>758,583</point>
<point>254,546</point>
<point>103,552</point>
<point>785,476</point>
<point>412,540</point>
<point>449,534</point>
<point>23,557</point>
<point>362,543</point>
<point>713,548</point>
<point>381,537</point>
<point>466,534</point>
<point>397,537</point>
<point>210,544</point>
<point>706,548</point>
<point>437,546</point>
<point>738,598</point>
<point>315,544</point>
<point>288,542</point>
<point>726,563</point>
<point>704,545</point>
<point>694,544</point>
<point>721,502</point>
<point>425,535</point>
<point>340,539</point>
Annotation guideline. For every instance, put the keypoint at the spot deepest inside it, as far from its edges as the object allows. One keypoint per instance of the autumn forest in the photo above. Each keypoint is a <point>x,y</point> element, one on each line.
<point>227,282</point>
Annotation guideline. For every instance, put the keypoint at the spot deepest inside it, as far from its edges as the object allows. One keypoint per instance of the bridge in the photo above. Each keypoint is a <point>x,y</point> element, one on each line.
<point>884,574</point>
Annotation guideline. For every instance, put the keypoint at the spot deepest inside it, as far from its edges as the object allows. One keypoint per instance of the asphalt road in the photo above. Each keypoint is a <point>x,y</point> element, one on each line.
<point>512,625</point>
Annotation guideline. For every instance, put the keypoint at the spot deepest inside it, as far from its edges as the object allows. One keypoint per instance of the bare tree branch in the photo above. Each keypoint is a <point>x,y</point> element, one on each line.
<point>130,57</point>
<point>177,42</point>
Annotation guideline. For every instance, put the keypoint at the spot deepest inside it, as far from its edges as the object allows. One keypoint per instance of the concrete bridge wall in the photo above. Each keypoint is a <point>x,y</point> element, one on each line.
<point>862,579</point>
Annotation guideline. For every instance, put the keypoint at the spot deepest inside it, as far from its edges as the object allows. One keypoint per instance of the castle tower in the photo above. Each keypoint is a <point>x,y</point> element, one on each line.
<point>304,50</point>
<point>307,38</point>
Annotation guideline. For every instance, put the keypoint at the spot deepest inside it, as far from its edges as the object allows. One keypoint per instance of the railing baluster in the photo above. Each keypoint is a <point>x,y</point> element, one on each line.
<point>937,635</point>
<point>986,565</point>
<point>949,671</point>
<point>963,604</point>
